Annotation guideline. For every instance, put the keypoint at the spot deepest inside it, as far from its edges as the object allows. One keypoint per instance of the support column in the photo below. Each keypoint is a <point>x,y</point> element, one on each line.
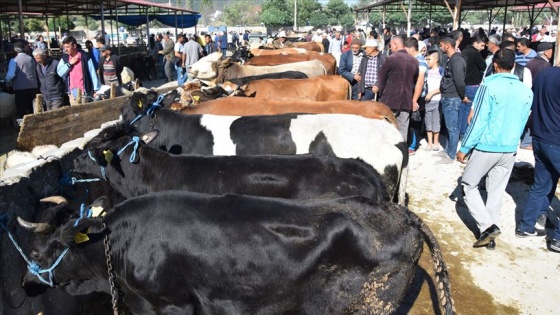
<point>117,20</point>
<point>505,17</point>
<point>20,16</point>
<point>102,20</point>
<point>48,36</point>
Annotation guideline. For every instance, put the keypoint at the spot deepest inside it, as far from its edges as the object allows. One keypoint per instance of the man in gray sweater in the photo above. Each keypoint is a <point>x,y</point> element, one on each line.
<point>452,90</point>
<point>21,71</point>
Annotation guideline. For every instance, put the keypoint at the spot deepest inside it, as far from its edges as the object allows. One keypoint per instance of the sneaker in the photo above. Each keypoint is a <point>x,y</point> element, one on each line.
<point>428,148</point>
<point>435,147</point>
<point>411,152</point>
<point>541,223</point>
<point>440,154</point>
<point>524,234</point>
<point>555,246</point>
<point>445,160</point>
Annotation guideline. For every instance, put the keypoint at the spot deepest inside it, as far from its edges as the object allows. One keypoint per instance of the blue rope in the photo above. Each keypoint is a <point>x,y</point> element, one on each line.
<point>83,210</point>
<point>33,266</point>
<point>135,140</point>
<point>150,110</point>
<point>102,168</point>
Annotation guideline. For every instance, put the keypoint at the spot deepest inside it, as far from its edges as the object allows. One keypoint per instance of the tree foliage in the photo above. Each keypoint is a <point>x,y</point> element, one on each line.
<point>275,13</point>
<point>306,9</point>
<point>339,12</point>
<point>241,12</point>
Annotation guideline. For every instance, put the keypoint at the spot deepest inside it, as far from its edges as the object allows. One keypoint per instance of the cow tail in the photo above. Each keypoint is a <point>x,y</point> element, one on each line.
<point>349,91</point>
<point>441,273</point>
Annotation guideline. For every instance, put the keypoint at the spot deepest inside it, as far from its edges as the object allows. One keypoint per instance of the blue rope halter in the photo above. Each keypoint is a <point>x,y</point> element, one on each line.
<point>135,140</point>
<point>32,265</point>
<point>150,110</point>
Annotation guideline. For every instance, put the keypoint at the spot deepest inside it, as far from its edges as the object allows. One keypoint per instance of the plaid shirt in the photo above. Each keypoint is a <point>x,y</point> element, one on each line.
<point>370,78</point>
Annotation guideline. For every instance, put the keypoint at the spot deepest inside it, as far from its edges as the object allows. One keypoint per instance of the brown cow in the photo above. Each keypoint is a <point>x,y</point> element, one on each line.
<point>243,106</point>
<point>281,51</point>
<point>327,60</point>
<point>310,46</point>
<point>320,88</point>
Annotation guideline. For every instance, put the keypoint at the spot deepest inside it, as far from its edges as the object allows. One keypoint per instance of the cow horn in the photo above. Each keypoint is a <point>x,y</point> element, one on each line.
<point>55,199</point>
<point>126,92</point>
<point>35,227</point>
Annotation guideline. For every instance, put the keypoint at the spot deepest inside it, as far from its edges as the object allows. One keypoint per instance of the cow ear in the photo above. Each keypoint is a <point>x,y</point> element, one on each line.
<point>169,98</point>
<point>71,235</point>
<point>149,136</point>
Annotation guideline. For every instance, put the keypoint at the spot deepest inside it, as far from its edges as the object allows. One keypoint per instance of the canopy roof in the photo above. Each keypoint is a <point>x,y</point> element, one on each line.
<point>82,7</point>
<point>179,20</point>
<point>465,4</point>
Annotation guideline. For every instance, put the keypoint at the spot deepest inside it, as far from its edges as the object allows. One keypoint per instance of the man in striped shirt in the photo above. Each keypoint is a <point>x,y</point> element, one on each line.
<point>109,67</point>
<point>524,53</point>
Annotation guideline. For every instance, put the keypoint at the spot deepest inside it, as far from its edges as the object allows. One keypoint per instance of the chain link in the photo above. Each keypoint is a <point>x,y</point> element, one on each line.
<point>115,292</point>
<point>154,120</point>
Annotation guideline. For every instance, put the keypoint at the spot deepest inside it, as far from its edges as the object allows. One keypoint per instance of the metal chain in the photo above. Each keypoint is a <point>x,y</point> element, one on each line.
<point>115,294</point>
<point>154,120</point>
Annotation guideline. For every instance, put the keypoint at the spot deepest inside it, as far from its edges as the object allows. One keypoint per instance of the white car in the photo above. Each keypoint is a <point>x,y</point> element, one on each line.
<point>134,41</point>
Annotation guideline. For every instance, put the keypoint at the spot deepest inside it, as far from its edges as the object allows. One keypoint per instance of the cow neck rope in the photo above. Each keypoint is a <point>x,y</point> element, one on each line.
<point>151,109</point>
<point>135,140</point>
<point>116,294</point>
<point>32,265</point>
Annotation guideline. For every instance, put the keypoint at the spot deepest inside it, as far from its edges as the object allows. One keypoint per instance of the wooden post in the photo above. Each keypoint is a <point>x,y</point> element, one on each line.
<point>38,106</point>
<point>113,92</point>
<point>80,99</point>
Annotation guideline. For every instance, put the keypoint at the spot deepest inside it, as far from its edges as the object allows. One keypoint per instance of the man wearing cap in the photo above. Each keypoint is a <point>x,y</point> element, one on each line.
<point>350,65</point>
<point>370,66</point>
<point>281,41</point>
<point>397,79</point>
<point>21,69</point>
<point>77,70</point>
<point>542,60</point>
<point>109,67</point>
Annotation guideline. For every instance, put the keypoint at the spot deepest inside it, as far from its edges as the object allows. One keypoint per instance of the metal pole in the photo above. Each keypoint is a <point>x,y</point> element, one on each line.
<point>408,18</point>
<point>175,25</point>
<point>67,20</point>
<point>20,16</point>
<point>48,36</point>
<point>117,20</point>
<point>430,23</point>
<point>505,17</point>
<point>102,20</point>
<point>147,28</point>
<point>111,23</point>
<point>295,15</point>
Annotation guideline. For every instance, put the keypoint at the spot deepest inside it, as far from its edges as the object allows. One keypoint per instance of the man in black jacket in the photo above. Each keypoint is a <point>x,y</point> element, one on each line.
<point>475,70</point>
<point>452,90</point>
<point>50,84</point>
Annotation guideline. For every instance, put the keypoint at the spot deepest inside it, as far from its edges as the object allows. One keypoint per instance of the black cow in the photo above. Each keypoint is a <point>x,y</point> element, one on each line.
<point>376,142</point>
<point>280,75</point>
<point>292,177</point>
<point>188,253</point>
<point>241,55</point>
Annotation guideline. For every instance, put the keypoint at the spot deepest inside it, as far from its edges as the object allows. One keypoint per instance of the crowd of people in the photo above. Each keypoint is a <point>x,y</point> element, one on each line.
<point>485,87</point>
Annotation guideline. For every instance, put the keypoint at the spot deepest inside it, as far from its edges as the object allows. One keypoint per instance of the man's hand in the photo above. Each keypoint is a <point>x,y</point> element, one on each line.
<point>461,157</point>
<point>73,60</point>
<point>357,77</point>
<point>466,100</point>
<point>375,89</point>
<point>428,96</point>
<point>471,114</point>
<point>415,106</point>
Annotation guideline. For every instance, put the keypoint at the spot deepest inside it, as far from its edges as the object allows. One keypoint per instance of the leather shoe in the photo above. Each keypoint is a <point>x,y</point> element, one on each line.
<point>487,236</point>
<point>491,245</point>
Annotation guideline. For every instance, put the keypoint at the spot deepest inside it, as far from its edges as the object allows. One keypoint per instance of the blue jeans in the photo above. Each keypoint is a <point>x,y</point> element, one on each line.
<point>180,74</point>
<point>368,95</point>
<point>547,173</point>
<point>526,138</point>
<point>450,107</point>
<point>465,109</point>
<point>355,92</point>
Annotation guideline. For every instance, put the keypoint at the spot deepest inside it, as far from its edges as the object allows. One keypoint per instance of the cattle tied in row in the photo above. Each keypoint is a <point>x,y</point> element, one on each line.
<point>247,58</point>
<point>140,170</point>
<point>212,70</point>
<point>188,253</point>
<point>374,141</point>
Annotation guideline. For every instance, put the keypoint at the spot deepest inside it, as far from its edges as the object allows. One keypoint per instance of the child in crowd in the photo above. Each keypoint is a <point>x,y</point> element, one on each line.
<point>432,118</point>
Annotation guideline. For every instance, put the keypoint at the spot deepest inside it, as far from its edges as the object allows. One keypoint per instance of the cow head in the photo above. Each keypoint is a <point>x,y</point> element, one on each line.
<point>142,102</point>
<point>104,150</point>
<point>56,232</point>
<point>241,55</point>
<point>205,68</point>
<point>195,97</point>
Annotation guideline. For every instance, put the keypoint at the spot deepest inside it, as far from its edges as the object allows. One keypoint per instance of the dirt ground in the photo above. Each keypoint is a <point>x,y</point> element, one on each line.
<point>520,276</point>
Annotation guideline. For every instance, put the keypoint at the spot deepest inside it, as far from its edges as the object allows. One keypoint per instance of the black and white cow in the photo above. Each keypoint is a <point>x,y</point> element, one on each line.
<point>291,177</point>
<point>179,252</point>
<point>376,142</point>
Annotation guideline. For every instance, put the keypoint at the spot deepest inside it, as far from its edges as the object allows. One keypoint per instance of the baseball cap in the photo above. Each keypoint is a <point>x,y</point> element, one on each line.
<point>370,42</point>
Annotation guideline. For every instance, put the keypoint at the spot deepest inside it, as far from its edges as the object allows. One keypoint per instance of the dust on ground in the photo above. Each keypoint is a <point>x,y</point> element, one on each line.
<point>520,276</point>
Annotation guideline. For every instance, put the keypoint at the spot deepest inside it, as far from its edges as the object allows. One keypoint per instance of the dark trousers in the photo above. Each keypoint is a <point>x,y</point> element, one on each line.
<point>547,173</point>
<point>169,70</point>
<point>24,101</point>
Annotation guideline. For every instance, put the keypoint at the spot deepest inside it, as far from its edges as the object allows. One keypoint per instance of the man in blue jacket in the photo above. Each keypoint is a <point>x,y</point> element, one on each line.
<point>350,65</point>
<point>546,148</point>
<point>501,109</point>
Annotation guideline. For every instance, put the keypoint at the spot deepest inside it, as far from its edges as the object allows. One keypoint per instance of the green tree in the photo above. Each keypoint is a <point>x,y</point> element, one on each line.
<point>33,25</point>
<point>319,20</point>
<point>306,9</point>
<point>241,12</point>
<point>339,12</point>
<point>276,13</point>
